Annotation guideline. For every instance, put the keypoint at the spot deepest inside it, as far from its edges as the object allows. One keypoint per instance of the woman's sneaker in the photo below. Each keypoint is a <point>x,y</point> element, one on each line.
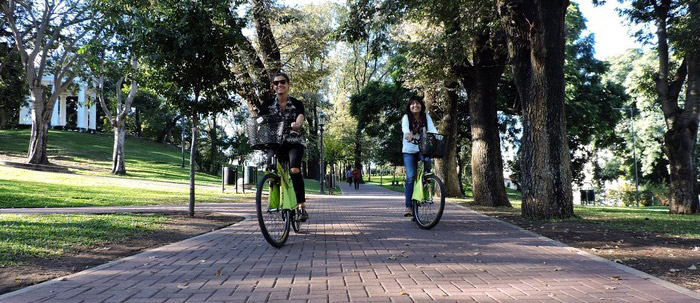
<point>304,215</point>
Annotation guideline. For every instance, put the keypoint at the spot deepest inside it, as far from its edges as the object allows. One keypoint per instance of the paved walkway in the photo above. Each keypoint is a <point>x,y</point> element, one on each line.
<point>357,248</point>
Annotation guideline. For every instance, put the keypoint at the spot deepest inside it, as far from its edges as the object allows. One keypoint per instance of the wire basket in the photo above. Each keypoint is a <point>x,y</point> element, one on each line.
<point>433,145</point>
<point>265,132</point>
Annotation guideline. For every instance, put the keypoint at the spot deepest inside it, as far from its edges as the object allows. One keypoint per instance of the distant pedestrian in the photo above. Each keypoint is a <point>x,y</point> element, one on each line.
<point>356,175</point>
<point>348,176</point>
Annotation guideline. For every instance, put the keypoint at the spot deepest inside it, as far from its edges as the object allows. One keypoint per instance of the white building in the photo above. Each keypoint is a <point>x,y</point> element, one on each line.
<point>86,112</point>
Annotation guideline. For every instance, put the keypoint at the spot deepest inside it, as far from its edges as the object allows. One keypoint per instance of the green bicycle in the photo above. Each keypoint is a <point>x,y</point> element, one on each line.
<point>428,200</point>
<point>277,210</point>
<point>275,200</point>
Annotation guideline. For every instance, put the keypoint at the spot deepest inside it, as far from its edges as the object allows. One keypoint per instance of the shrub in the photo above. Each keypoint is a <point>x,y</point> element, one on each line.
<point>627,194</point>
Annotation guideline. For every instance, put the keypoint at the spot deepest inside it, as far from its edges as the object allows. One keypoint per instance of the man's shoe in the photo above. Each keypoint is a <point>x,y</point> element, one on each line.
<point>304,215</point>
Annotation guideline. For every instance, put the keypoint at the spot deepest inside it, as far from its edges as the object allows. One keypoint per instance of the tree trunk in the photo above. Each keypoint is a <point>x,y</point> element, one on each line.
<point>166,132</point>
<point>680,142</point>
<point>460,173</point>
<point>212,147</point>
<point>268,44</point>
<point>358,149</point>
<point>682,123</point>
<point>193,148</point>
<point>488,186</point>
<point>41,117</point>
<point>447,167</point>
<point>118,165</point>
<point>536,46</point>
<point>137,122</point>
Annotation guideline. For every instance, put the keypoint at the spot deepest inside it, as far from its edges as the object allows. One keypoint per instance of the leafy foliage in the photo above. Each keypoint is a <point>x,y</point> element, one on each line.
<point>13,86</point>
<point>378,108</point>
<point>591,101</point>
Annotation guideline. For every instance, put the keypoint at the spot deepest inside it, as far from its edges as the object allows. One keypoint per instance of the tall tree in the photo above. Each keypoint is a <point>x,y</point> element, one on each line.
<point>378,109</point>
<point>193,41</point>
<point>677,28</point>
<point>536,46</point>
<point>462,44</point>
<point>367,34</point>
<point>48,35</point>
<point>254,67</point>
<point>118,119</point>
<point>115,56</point>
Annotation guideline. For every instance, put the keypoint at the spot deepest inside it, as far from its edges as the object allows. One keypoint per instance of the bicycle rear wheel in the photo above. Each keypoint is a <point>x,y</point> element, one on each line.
<point>428,211</point>
<point>273,220</point>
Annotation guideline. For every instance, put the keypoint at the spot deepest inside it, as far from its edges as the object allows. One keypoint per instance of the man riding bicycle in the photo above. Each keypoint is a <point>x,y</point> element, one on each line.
<point>294,143</point>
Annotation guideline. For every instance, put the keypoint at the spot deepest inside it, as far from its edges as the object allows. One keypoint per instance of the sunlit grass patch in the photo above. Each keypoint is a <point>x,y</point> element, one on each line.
<point>27,188</point>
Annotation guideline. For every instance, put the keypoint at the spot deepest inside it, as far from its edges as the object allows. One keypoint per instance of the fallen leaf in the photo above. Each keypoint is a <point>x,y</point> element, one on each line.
<point>392,258</point>
<point>610,287</point>
<point>403,293</point>
<point>696,248</point>
<point>692,267</point>
<point>180,286</point>
<point>557,269</point>
<point>218,272</point>
<point>615,278</point>
<point>618,261</point>
<point>674,270</point>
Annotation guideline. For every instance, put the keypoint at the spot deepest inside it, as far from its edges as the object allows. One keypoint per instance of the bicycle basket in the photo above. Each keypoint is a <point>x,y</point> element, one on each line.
<point>433,145</point>
<point>265,132</point>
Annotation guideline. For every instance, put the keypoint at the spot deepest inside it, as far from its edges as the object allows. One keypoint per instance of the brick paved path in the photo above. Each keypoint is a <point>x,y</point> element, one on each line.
<point>357,248</point>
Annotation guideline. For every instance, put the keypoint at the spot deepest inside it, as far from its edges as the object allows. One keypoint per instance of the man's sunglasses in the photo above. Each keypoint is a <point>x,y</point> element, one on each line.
<point>279,82</point>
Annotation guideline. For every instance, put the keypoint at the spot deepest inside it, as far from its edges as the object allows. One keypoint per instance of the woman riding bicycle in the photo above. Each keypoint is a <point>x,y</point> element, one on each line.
<point>294,143</point>
<point>415,122</point>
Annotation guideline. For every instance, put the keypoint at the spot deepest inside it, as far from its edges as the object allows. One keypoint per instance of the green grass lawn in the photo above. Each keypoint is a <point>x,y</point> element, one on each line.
<point>652,219</point>
<point>385,181</point>
<point>50,236</point>
<point>144,159</point>
<point>28,188</point>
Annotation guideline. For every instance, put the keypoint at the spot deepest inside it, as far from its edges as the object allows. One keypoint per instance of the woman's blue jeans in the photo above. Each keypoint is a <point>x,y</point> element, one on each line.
<point>410,162</point>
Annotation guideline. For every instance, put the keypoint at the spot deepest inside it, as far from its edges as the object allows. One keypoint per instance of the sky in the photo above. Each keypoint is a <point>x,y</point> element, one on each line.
<point>611,35</point>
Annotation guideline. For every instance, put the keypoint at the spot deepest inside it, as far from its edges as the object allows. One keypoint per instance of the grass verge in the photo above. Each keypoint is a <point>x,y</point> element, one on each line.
<point>622,218</point>
<point>24,237</point>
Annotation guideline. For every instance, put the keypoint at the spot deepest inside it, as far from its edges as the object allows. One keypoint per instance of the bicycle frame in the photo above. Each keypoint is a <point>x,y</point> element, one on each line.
<point>283,195</point>
<point>420,193</point>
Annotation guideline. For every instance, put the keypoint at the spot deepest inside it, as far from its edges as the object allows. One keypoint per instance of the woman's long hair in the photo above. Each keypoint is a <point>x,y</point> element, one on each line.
<point>416,125</point>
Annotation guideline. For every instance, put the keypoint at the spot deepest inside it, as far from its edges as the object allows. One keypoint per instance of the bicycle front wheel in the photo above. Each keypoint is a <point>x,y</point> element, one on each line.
<point>273,220</point>
<point>428,211</point>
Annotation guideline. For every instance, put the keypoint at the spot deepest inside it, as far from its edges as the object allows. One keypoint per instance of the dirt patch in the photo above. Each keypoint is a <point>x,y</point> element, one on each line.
<point>179,228</point>
<point>673,259</point>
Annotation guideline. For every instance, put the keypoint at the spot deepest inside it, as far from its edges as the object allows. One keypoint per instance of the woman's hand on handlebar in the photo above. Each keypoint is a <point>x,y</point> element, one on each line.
<point>408,137</point>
